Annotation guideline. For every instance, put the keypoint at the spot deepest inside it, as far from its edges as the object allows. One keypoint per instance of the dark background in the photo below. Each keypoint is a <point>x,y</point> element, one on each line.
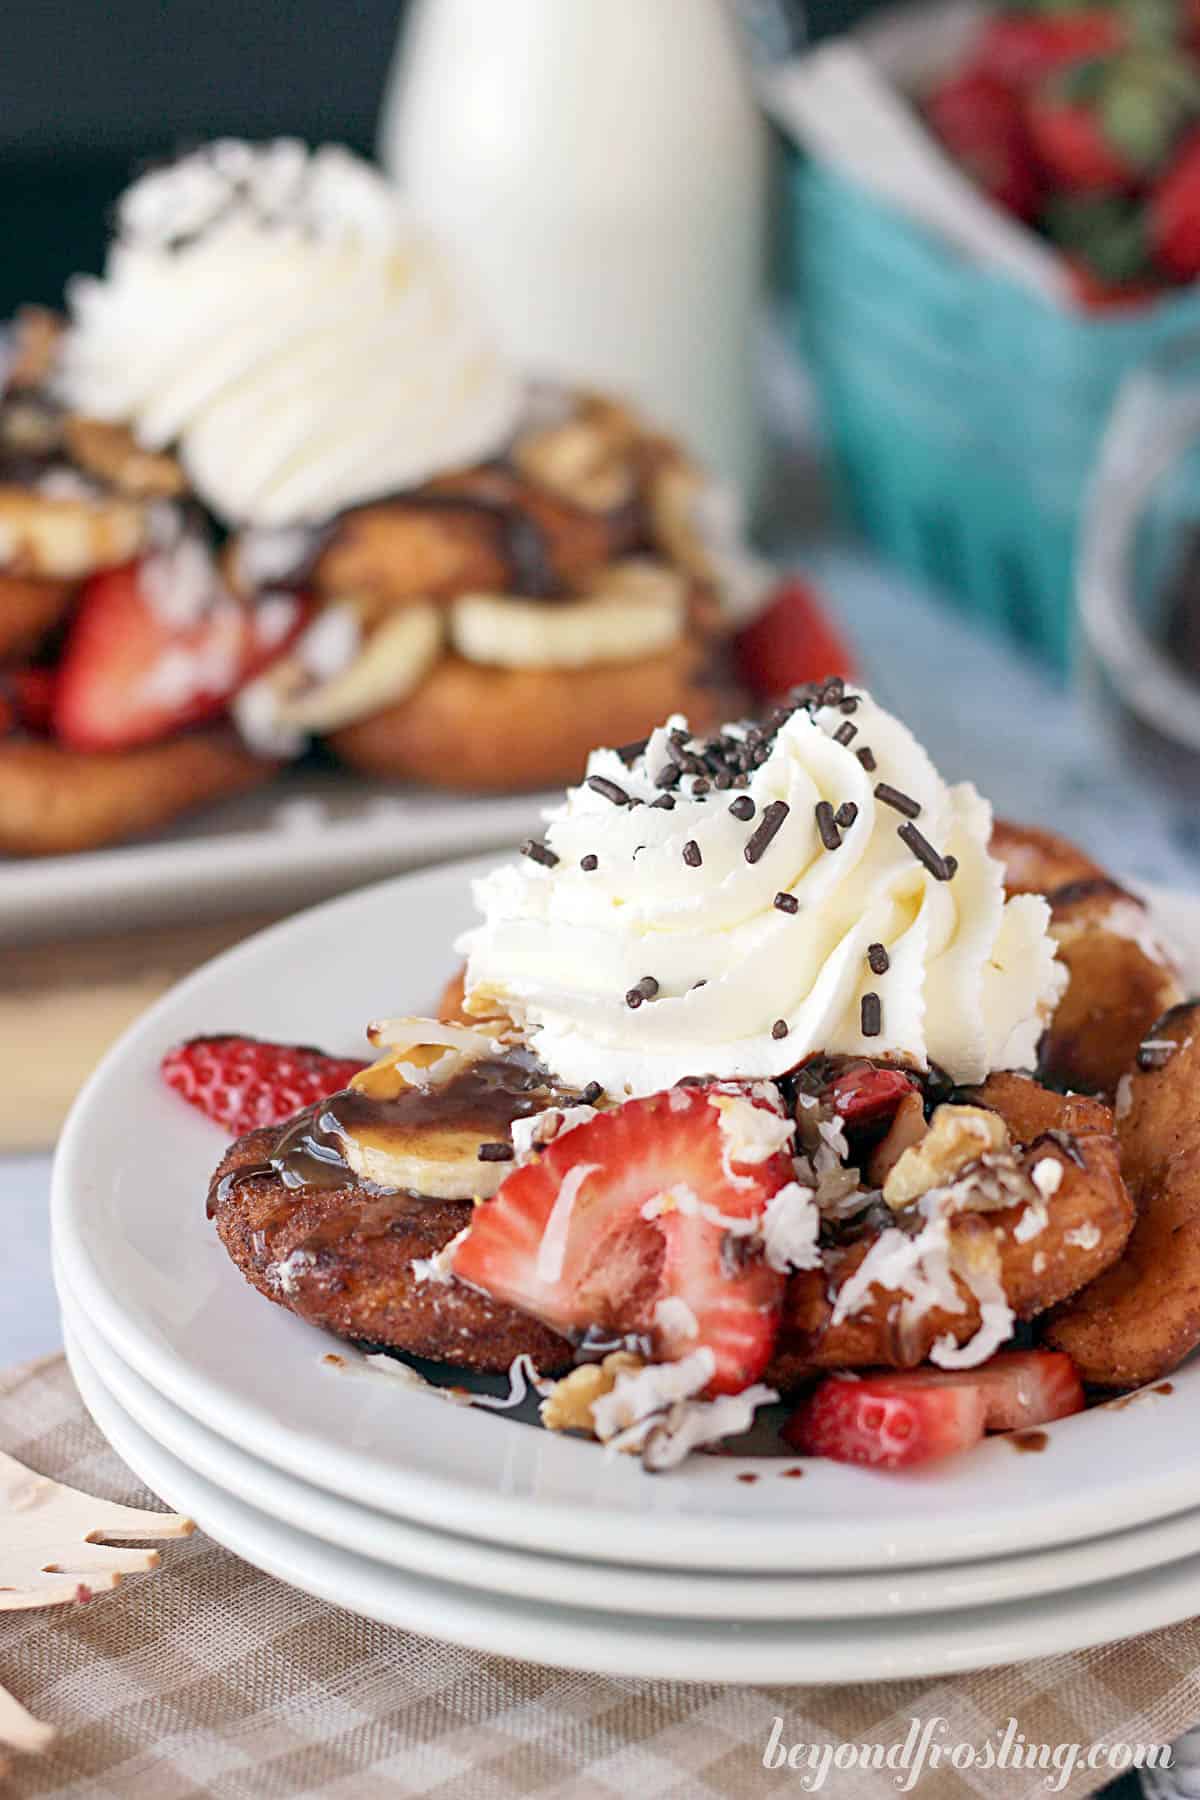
<point>92,88</point>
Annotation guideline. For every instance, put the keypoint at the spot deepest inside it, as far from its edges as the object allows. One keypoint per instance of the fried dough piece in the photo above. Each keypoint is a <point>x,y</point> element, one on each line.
<point>474,727</point>
<point>1037,862</point>
<point>350,1272</point>
<point>484,530</point>
<point>1030,1110</point>
<point>57,539</point>
<point>1121,981</point>
<point>1090,1216</point>
<point>1142,1317</point>
<point>28,610</point>
<point>55,801</point>
<point>37,335</point>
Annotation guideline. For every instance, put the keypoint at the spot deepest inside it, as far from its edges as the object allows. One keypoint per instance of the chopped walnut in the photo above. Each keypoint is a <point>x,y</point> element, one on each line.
<point>568,1405</point>
<point>586,458</point>
<point>957,1135</point>
<point>906,1130</point>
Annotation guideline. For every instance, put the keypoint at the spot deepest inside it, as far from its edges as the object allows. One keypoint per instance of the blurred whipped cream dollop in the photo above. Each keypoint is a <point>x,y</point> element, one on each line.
<point>735,929</point>
<point>282,320</point>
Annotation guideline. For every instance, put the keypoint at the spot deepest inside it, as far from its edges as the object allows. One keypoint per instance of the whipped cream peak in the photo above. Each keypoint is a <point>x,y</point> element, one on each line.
<point>732,905</point>
<point>280,318</point>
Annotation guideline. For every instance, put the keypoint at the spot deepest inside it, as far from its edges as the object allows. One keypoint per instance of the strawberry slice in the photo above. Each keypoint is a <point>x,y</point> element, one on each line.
<point>131,674</point>
<point>1020,1388</point>
<point>243,1082</point>
<point>567,1237</point>
<point>887,1421</point>
<point>895,1420</point>
<point>864,1095</point>
<point>790,642</point>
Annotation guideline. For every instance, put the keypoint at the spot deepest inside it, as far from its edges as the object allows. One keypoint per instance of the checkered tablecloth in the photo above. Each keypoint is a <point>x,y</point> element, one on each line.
<point>209,1678</point>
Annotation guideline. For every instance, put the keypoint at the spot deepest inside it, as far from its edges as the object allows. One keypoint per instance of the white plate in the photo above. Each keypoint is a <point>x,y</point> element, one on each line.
<point>304,837</point>
<point>671,1594</point>
<point>143,1263</point>
<point>820,1652</point>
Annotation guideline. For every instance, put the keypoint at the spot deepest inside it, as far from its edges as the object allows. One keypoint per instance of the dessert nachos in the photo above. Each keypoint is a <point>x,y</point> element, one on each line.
<point>757,1082</point>
<point>270,481</point>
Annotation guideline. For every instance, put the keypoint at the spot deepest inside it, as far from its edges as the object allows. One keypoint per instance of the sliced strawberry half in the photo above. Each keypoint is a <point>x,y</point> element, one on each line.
<point>1020,1388</point>
<point>886,1421</point>
<point>132,674</point>
<point>567,1237</point>
<point>793,640</point>
<point>243,1083</point>
<point>892,1421</point>
<point>864,1095</point>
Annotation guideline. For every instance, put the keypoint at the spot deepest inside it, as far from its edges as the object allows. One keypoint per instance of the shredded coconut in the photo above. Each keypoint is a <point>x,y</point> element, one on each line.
<point>440,1266</point>
<point>1084,1237</point>
<point>684,1199</point>
<point>1046,1176</point>
<point>553,1248</point>
<point>675,1317</point>
<point>285,1275</point>
<point>790,1228</point>
<point>523,1375</point>
<point>636,1398</point>
<point>541,1128</point>
<point>1124,1096</point>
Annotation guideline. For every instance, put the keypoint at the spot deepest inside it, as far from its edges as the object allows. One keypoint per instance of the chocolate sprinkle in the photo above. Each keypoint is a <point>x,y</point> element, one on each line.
<point>538,852</point>
<point>691,854</point>
<point>940,867</point>
<point>866,757</point>
<point>831,837</point>
<point>589,863</point>
<point>590,1094</point>
<point>600,784</point>
<point>872,1015</point>
<point>845,733</point>
<point>742,807</point>
<point>902,803</point>
<point>779,1029</point>
<point>878,958</point>
<point>495,1153</point>
<point>645,989</point>
<point>786,903</point>
<point>700,787</point>
<point>764,831</point>
<point>629,753</point>
<point>668,776</point>
<point>846,814</point>
<point>665,801</point>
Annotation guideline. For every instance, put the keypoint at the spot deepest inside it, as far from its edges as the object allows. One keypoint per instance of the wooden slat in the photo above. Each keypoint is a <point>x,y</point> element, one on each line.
<point>62,1005</point>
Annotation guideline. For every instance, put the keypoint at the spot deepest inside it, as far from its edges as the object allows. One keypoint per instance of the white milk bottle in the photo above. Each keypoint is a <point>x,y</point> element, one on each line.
<point>600,167</point>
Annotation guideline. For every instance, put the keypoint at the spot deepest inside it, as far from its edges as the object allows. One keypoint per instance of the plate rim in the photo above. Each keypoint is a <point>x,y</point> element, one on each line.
<point>672,1593</point>
<point>644,1648</point>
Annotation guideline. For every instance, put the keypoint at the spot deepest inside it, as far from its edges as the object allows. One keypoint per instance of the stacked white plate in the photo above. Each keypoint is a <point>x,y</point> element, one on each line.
<point>475,1525</point>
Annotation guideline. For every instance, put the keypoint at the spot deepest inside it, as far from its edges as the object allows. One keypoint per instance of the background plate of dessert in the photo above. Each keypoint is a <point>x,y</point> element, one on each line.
<point>296,569</point>
<point>145,1267</point>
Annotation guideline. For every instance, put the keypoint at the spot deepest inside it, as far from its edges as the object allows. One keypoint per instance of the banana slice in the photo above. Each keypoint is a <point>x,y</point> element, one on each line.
<point>635,609</point>
<point>64,539</point>
<point>436,1158</point>
<point>333,677</point>
<point>397,654</point>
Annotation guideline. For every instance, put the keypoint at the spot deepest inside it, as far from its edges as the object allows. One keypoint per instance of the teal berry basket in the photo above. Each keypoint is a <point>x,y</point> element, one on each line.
<point>963,413</point>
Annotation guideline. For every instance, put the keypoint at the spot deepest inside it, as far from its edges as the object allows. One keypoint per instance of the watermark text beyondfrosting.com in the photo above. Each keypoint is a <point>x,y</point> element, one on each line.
<point>927,1746</point>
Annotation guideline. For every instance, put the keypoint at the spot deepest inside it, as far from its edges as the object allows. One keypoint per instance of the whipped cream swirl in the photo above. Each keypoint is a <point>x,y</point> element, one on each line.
<point>675,907</point>
<point>282,321</point>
